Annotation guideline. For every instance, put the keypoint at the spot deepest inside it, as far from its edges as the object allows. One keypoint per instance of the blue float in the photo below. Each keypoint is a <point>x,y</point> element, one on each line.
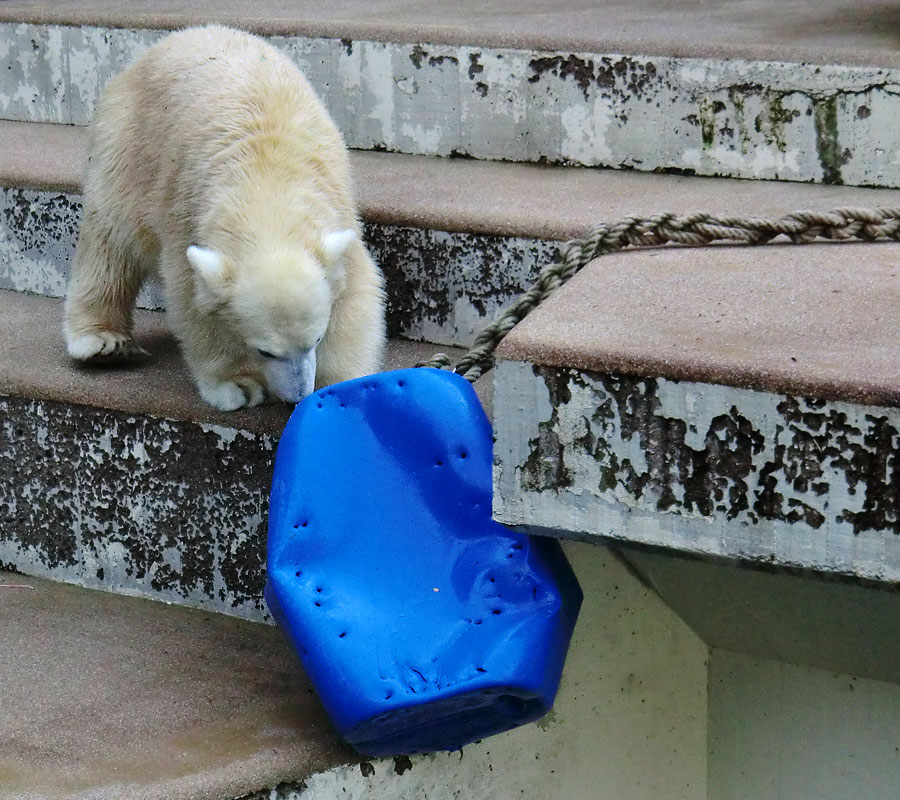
<point>422,623</point>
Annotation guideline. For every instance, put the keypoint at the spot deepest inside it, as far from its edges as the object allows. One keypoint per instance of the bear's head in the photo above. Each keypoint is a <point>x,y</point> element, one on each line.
<point>276,300</point>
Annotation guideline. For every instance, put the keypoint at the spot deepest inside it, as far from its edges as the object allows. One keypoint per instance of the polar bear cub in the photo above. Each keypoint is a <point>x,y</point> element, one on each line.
<point>214,166</point>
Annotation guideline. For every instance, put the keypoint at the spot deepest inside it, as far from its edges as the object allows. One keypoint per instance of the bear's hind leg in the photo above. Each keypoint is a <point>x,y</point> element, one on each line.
<point>100,299</point>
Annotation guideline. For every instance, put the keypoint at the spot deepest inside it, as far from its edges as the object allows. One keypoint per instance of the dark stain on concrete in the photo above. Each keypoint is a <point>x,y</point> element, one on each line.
<point>544,469</point>
<point>475,65</point>
<point>580,70</point>
<point>827,145</point>
<point>812,441</point>
<point>402,764</point>
<point>436,61</point>
<point>427,272</point>
<point>180,511</point>
<point>620,78</point>
<point>39,221</point>
<point>418,53</point>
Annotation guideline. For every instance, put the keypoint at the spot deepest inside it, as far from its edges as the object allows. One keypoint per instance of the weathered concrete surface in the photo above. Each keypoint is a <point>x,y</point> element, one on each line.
<point>442,287</point>
<point>457,239</point>
<point>495,199</point>
<point>816,320</point>
<point>107,697</point>
<point>727,401</point>
<point>123,479</point>
<point>708,469</point>
<point>776,730</point>
<point>134,504</point>
<point>825,122</point>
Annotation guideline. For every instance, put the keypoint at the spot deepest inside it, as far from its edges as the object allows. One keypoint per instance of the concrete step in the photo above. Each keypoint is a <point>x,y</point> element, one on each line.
<point>731,403</point>
<point>123,479</point>
<point>110,697</point>
<point>792,91</point>
<point>457,239</point>
<point>115,698</point>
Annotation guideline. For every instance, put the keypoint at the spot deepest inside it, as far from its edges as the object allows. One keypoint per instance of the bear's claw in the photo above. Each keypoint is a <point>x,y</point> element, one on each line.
<point>105,346</point>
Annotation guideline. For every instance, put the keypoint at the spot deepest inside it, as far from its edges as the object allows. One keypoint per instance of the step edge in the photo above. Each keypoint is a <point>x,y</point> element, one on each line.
<point>455,35</point>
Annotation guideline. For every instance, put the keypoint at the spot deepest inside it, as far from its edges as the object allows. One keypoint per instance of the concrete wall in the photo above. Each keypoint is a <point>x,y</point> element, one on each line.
<point>781,732</point>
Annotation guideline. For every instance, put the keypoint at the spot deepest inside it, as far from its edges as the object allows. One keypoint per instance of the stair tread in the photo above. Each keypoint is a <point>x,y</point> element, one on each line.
<point>818,320</point>
<point>34,364</point>
<point>108,696</point>
<point>492,198</point>
<point>829,31</point>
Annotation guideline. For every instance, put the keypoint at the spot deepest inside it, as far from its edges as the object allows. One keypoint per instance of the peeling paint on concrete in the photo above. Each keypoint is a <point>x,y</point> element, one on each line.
<point>442,285</point>
<point>736,117</point>
<point>138,505</point>
<point>700,467</point>
<point>38,233</point>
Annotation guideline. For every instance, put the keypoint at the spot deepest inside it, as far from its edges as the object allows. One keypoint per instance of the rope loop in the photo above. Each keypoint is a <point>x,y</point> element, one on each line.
<point>692,230</point>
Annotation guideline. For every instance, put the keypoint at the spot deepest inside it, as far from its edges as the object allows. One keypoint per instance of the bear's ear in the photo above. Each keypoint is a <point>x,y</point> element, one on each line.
<point>207,265</point>
<point>335,244</point>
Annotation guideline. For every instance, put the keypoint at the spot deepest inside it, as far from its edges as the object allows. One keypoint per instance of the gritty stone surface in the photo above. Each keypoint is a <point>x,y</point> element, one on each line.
<point>699,467</point>
<point>34,364</point>
<point>122,479</point>
<point>829,123</point>
<point>497,199</point>
<point>816,320</point>
<point>829,31</point>
<point>107,697</point>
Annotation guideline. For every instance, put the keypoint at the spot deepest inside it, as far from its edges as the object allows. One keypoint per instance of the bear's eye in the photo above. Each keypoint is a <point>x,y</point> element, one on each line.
<point>266,354</point>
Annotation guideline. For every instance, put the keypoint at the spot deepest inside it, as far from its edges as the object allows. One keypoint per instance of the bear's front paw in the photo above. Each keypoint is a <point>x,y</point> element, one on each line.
<point>231,395</point>
<point>104,346</point>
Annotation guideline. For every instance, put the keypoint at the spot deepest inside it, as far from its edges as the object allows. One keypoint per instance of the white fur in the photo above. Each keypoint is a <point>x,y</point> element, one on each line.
<point>214,166</point>
<point>335,244</point>
<point>208,264</point>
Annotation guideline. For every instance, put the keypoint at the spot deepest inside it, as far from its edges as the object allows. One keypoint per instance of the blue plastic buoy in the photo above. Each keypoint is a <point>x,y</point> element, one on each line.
<point>422,623</point>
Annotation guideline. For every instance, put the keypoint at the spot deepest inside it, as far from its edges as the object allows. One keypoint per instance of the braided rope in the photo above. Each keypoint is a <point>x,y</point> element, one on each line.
<point>694,230</point>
